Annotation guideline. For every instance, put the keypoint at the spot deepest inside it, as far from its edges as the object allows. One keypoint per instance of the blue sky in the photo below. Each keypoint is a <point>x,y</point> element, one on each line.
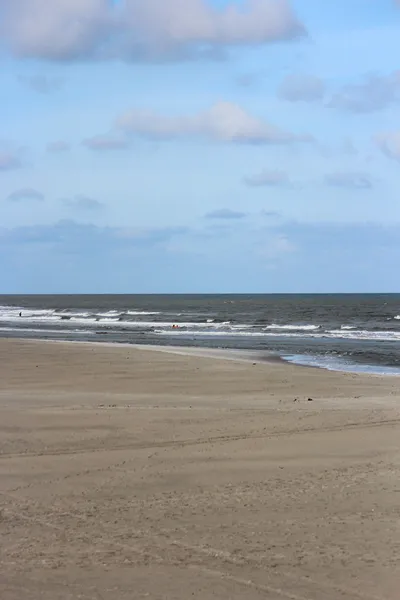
<point>199,146</point>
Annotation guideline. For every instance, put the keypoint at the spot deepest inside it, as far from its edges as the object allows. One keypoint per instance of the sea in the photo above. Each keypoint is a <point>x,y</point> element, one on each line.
<point>345,332</point>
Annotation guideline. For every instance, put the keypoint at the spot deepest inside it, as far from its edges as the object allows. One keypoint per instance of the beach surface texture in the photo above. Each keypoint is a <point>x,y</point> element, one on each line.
<point>135,473</point>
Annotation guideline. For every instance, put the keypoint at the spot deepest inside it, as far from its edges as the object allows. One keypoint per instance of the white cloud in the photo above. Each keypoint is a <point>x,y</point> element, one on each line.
<point>389,144</point>
<point>195,20</point>
<point>138,29</point>
<point>224,121</point>
<point>60,29</point>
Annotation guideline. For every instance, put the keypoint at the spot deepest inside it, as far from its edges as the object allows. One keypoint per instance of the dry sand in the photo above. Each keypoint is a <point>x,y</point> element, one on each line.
<point>129,473</point>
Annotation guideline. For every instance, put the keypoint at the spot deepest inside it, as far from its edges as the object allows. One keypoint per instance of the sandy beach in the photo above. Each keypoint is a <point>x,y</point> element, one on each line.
<point>132,473</point>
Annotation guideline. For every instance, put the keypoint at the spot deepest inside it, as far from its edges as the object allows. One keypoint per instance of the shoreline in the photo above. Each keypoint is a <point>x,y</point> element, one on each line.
<point>232,354</point>
<point>201,352</point>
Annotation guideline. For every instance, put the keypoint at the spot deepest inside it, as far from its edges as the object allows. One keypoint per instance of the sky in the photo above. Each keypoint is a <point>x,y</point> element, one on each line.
<point>199,146</point>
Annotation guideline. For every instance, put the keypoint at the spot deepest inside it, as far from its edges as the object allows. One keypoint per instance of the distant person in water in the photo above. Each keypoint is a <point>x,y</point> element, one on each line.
<point>20,314</point>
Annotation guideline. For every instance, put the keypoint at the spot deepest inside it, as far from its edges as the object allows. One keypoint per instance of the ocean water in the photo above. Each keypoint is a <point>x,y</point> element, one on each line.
<point>341,332</point>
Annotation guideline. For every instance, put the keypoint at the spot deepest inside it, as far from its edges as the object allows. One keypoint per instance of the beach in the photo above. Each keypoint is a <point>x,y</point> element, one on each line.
<point>142,473</point>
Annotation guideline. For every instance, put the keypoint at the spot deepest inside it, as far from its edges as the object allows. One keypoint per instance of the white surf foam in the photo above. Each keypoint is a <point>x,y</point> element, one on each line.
<point>141,312</point>
<point>331,363</point>
<point>379,336</point>
<point>210,332</point>
<point>71,313</point>
<point>292,327</point>
<point>46,331</point>
<point>384,336</point>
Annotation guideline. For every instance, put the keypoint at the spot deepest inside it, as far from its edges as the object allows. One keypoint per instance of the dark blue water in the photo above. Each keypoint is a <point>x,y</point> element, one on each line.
<point>347,332</point>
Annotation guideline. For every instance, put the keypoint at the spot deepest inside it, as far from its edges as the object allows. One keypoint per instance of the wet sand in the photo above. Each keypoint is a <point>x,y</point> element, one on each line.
<point>128,473</point>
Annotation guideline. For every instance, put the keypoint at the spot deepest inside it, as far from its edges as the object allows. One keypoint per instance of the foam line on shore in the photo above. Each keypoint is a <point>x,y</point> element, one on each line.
<point>230,354</point>
<point>218,353</point>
